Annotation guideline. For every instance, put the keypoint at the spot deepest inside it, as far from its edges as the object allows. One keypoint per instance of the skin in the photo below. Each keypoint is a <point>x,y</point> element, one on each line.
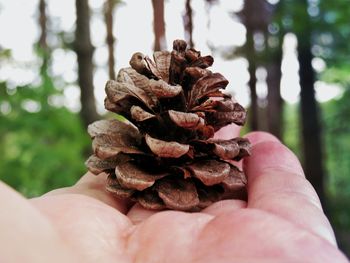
<point>282,221</point>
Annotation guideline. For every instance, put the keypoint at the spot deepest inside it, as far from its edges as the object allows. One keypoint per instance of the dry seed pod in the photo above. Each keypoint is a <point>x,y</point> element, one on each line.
<point>165,157</point>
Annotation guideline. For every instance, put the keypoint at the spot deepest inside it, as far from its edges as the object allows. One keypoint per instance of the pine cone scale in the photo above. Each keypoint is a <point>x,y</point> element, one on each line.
<point>149,199</point>
<point>210,172</point>
<point>185,120</point>
<point>162,60</point>
<point>235,180</point>
<point>113,186</point>
<point>205,86</point>
<point>97,166</point>
<point>130,176</point>
<point>166,149</point>
<point>113,127</point>
<point>138,114</point>
<point>107,146</point>
<point>178,194</point>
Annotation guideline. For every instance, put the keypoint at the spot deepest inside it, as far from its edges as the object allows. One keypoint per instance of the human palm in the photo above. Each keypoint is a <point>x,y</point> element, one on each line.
<point>281,222</point>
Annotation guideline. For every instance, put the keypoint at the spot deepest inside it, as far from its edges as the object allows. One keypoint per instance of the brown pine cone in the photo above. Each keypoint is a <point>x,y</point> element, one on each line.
<point>165,157</point>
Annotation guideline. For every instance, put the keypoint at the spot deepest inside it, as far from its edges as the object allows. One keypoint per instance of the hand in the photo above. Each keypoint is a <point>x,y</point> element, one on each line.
<point>281,222</point>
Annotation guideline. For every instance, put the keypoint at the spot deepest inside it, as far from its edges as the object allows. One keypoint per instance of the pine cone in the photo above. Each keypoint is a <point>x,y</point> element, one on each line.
<point>165,157</point>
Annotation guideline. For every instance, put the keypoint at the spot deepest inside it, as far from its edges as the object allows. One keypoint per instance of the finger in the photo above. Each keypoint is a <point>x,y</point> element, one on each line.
<point>276,183</point>
<point>224,206</point>
<point>228,132</point>
<point>258,136</point>
<point>26,235</point>
<point>94,186</point>
<point>252,235</point>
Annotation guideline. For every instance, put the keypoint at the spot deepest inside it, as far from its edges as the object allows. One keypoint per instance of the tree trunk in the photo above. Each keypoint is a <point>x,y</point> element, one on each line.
<point>108,13</point>
<point>84,50</point>
<point>43,25</point>
<point>253,18</point>
<point>158,25</point>
<point>311,130</point>
<point>273,54</point>
<point>47,87</point>
<point>251,57</point>
<point>42,42</point>
<point>188,23</point>
<point>274,100</point>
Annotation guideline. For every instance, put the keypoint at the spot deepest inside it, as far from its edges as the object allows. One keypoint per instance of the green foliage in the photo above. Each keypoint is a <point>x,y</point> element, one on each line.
<point>333,32</point>
<point>337,139</point>
<point>291,133</point>
<point>41,145</point>
<point>338,75</point>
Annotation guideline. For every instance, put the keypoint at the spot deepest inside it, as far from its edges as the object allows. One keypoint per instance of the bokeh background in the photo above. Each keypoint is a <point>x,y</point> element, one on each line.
<point>288,62</point>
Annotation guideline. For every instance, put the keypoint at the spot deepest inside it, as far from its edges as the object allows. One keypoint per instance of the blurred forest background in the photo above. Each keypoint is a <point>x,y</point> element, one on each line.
<point>288,61</point>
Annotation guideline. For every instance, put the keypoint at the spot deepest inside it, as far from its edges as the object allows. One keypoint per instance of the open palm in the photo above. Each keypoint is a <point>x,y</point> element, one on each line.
<point>282,222</point>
